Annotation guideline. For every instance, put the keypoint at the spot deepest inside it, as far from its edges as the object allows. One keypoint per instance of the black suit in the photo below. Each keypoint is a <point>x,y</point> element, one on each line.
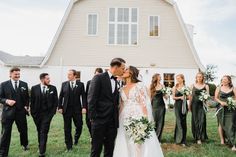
<point>70,102</point>
<point>103,112</point>
<point>87,115</point>
<point>13,113</point>
<point>43,107</point>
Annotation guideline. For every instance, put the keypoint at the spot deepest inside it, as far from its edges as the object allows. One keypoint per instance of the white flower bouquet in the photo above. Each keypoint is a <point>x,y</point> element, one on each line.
<point>186,91</point>
<point>166,91</point>
<point>204,97</point>
<point>138,129</point>
<point>231,103</point>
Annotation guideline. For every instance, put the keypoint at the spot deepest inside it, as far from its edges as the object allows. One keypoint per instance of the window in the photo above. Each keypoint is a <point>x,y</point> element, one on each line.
<point>169,79</point>
<point>123,26</point>
<point>92,24</point>
<point>154,26</point>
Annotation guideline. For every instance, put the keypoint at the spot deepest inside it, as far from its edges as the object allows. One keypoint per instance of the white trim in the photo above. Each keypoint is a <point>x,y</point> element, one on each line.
<point>159,27</point>
<point>189,40</point>
<point>129,23</point>
<point>2,63</point>
<point>59,30</point>
<point>92,35</point>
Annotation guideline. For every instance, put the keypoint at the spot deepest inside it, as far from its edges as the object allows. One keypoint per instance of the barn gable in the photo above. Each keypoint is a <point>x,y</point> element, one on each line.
<point>52,59</point>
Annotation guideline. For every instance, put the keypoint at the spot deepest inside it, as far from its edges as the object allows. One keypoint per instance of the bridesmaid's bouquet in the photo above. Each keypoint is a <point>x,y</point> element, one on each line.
<point>166,91</point>
<point>138,129</point>
<point>204,97</point>
<point>186,91</point>
<point>231,103</point>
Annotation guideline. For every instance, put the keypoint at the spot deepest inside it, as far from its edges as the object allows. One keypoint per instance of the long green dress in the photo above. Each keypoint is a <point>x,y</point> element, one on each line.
<point>181,121</point>
<point>159,111</point>
<point>225,118</point>
<point>198,116</point>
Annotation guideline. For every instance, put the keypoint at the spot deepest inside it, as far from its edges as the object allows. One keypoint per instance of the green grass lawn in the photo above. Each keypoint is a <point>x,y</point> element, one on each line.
<point>56,147</point>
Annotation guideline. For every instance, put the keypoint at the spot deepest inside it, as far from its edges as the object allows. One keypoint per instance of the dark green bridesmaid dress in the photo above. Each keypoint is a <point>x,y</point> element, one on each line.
<point>159,111</point>
<point>198,116</point>
<point>181,120</point>
<point>226,119</point>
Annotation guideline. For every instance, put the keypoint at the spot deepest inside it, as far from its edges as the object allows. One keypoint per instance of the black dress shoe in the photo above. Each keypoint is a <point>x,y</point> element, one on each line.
<point>25,148</point>
<point>76,142</point>
<point>41,155</point>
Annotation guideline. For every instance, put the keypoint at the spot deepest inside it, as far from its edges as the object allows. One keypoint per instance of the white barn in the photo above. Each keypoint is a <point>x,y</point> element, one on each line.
<point>149,34</point>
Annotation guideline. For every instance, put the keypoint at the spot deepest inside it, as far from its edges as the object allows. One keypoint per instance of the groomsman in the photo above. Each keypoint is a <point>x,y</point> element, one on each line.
<point>15,99</point>
<point>97,71</point>
<point>44,102</point>
<point>70,105</point>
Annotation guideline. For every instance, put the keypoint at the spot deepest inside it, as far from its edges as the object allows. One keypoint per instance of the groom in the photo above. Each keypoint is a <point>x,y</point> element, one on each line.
<point>103,97</point>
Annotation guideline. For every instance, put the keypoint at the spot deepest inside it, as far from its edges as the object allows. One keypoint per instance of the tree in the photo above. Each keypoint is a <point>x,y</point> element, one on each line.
<point>210,73</point>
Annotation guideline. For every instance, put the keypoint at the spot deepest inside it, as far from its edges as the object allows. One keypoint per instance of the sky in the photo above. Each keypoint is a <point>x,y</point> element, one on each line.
<point>27,27</point>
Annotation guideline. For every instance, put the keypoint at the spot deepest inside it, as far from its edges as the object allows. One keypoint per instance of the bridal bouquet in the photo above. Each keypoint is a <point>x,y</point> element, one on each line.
<point>204,97</point>
<point>166,90</point>
<point>231,103</point>
<point>138,129</point>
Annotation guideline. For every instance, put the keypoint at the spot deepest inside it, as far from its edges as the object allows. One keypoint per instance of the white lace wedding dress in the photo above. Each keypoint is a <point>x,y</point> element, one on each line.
<point>132,105</point>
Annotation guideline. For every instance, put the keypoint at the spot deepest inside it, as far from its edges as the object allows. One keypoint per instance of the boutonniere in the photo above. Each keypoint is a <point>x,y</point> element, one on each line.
<point>47,89</point>
<point>51,92</point>
<point>76,86</point>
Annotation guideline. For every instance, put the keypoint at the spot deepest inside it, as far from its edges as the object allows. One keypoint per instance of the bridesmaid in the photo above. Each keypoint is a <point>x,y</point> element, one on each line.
<point>226,118</point>
<point>198,112</point>
<point>181,118</point>
<point>158,104</point>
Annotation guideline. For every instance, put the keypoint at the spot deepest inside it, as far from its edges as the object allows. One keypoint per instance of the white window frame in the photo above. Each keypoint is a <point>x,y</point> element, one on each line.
<point>159,26</point>
<point>88,24</point>
<point>129,23</point>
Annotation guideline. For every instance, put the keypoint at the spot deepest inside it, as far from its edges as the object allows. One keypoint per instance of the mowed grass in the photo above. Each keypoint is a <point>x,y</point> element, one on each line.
<point>56,147</point>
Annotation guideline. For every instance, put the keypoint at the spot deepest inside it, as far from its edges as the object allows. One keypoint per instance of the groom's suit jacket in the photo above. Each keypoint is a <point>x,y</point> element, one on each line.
<point>102,103</point>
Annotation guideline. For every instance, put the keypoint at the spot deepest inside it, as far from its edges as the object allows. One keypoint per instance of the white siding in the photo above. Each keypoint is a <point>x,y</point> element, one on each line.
<point>169,50</point>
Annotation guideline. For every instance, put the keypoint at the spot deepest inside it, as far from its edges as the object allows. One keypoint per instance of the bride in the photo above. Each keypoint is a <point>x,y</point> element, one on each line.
<point>134,101</point>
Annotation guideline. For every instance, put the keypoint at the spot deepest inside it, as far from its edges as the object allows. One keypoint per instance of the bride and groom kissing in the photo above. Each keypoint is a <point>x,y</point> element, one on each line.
<point>108,108</point>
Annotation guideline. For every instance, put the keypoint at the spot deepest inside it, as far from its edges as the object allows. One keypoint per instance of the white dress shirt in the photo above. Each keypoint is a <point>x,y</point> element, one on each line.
<point>13,83</point>
<point>74,83</point>
<point>41,86</point>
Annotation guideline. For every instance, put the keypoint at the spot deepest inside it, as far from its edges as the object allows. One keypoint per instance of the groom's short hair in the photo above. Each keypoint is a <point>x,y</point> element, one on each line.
<point>117,62</point>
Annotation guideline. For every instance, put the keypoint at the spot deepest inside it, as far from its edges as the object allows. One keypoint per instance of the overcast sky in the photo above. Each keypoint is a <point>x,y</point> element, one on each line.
<point>27,28</point>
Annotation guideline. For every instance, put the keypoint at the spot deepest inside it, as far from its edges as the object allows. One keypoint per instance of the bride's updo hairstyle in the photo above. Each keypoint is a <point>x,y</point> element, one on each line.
<point>134,74</point>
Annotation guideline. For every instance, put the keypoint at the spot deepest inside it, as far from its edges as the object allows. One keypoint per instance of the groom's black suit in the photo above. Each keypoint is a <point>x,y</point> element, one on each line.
<point>103,112</point>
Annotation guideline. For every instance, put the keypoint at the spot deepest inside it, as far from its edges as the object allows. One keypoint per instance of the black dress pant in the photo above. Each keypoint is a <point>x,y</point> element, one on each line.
<point>103,135</point>
<point>42,122</point>
<point>88,123</point>
<point>76,116</point>
<point>21,123</point>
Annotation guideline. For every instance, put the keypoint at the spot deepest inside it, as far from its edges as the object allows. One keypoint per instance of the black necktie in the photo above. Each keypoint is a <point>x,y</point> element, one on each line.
<point>44,90</point>
<point>16,86</point>
<point>72,85</point>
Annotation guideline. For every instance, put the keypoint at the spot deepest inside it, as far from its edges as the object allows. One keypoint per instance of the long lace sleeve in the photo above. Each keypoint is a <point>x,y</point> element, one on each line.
<point>121,104</point>
<point>144,101</point>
